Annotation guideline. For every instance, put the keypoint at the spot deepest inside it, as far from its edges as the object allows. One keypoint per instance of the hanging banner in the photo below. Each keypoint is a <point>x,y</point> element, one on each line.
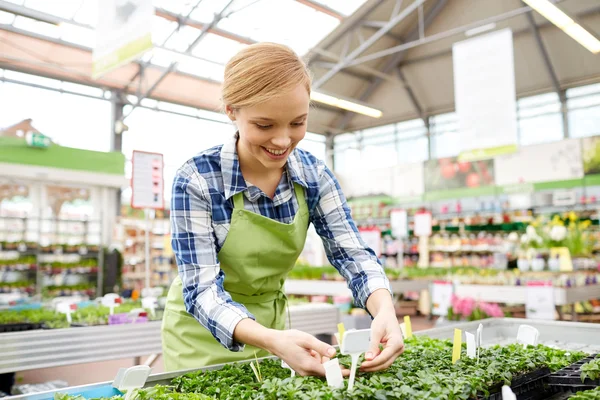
<point>147,184</point>
<point>484,92</point>
<point>449,173</point>
<point>591,155</point>
<point>558,161</point>
<point>124,32</point>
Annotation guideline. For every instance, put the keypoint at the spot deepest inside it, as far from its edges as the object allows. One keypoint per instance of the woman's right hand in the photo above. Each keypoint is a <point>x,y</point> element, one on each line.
<point>303,352</point>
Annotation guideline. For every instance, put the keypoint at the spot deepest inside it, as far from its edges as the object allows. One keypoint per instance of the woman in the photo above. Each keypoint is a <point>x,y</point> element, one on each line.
<point>240,214</point>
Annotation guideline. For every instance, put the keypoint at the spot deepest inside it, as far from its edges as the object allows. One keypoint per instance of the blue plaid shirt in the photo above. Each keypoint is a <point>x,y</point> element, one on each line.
<point>201,208</point>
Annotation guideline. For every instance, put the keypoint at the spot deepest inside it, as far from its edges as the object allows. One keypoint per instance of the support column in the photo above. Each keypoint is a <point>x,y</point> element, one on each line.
<point>117,105</point>
<point>564,110</point>
<point>329,151</point>
<point>427,122</point>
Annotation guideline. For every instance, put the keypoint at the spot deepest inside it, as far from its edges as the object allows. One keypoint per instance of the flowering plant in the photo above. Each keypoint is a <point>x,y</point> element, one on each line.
<point>469,309</point>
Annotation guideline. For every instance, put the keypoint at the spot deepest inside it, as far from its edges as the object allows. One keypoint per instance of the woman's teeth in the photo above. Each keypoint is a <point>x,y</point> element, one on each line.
<point>276,152</point>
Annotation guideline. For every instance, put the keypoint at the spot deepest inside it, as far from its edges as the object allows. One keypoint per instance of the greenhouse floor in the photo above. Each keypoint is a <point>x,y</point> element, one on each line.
<point>82,374</point>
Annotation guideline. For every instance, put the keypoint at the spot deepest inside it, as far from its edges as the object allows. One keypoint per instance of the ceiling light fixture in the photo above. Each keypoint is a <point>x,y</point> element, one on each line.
<point>349,105</point>
<point>572,28</point>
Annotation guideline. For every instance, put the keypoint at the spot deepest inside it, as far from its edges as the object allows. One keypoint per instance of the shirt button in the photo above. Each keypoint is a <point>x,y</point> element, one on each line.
<point>240,213</point>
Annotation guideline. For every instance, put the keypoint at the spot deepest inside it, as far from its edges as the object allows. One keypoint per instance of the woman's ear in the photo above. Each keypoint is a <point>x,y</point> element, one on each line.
<point>230,113</point>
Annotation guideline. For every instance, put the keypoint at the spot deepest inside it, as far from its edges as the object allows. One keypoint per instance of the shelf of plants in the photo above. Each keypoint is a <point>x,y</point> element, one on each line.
<point>90,339</point>
<point>424,371</point>
<point>62,260</point>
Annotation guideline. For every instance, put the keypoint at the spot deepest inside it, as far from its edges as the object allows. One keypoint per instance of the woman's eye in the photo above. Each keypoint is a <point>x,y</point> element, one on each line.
<point>263,126</point>
<point>297,123</point>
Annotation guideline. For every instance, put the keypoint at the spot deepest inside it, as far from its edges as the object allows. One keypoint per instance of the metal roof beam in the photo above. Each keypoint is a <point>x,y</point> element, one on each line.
<point>368,43</point>
<point>391,35</point>
<point>411,95</point>
<point>442,35</point>
<point>173,65</point>
<point>349,72</point>
<point>395,61</point>
<point>372,71</point>
<point>161,12</point>
<point>322,8</point>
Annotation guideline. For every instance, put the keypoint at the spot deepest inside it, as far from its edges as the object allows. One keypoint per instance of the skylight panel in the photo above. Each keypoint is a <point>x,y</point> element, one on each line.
<point>287,22</point>
<point>63,8</point>
<point>83,89</point>
<point>6,18</point>
<point>217,48</point>
<point>201,68</point>
<point>36,80</point>
<point>161,29</point>
<point>78,35</point>
<point>206,10</point>
<point>88,13</point>
<point>38,27</point>
<point>163,58</point>
<point>176,6</point>
<point>181,40</point>
<point>19,2</point>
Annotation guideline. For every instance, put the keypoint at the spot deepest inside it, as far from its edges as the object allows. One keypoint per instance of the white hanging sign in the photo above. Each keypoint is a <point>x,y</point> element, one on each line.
<point>399,223</point>
<point>147,182</point>
<point>423,222</point>
<point>484,90</point>
<point>441,296</point>
<point>124,32</point>
<point>539,302</point>
<point>372,238</point>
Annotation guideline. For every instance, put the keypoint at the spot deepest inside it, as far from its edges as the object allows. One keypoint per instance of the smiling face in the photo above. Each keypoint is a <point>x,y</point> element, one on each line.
<point>269,131</point>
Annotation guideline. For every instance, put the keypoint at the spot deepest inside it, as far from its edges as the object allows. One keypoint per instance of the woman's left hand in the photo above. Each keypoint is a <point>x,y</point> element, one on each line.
<point>385,330</point>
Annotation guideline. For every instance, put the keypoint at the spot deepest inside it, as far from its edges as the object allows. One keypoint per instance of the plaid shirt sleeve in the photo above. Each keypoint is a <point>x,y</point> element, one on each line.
<point>194,246</point>
<point>345,249</point>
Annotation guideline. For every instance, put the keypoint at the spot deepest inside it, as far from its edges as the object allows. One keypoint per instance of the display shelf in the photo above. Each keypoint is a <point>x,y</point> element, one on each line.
<point>57,347</point>
<point>518,294</point>
<point>340,288</point>
<point>565,335</point>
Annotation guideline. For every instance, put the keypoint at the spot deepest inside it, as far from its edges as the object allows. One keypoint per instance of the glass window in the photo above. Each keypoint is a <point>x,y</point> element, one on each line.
<point>584,110</point>
<point>539,119</point>
<point>444,136</point>
<point>315,144</point>
<point>540,129</point>
<point>72,121</point>
<point>413,150</point>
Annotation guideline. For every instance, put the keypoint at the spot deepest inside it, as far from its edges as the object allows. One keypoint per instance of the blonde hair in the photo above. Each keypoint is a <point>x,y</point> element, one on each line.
<point>261,72</point>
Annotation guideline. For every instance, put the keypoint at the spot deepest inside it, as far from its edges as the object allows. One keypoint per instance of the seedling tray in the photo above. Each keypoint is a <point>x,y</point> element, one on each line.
<point>570,377</point>
<point>19,327</point>
<point>529,386</point>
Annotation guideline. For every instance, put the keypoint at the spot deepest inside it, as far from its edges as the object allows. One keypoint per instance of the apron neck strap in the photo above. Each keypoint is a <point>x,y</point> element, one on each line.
<point>238,198</point>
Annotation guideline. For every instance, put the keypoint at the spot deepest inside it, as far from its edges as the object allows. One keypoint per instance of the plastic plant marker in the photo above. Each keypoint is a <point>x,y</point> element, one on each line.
<point>138,312</point>
<point>527,335</point>
<point>354,343</point>
<point>111,300</point>
<point>129,379</point>
<point>408,326</point>
<point>456,346</point>
<point>403,329</point>
<point>341,330</point>
<point>150,303</point>
<point>285,365</point>
<point>66,308</point>
<point>471,345</point>
<point>333,373</point>
<point>479,339</point>
<point>507,393</point>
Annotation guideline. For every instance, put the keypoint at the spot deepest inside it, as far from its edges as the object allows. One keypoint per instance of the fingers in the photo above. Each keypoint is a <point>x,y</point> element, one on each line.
<point>312,343</point>
<point>385,359</point>
<point>377,335</point>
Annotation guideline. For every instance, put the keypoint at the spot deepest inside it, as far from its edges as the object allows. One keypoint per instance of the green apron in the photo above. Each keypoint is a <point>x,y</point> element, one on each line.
<point>256,257</point>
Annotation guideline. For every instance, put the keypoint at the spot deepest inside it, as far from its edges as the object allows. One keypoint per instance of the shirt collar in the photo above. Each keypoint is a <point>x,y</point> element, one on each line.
<point>233,180</point>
